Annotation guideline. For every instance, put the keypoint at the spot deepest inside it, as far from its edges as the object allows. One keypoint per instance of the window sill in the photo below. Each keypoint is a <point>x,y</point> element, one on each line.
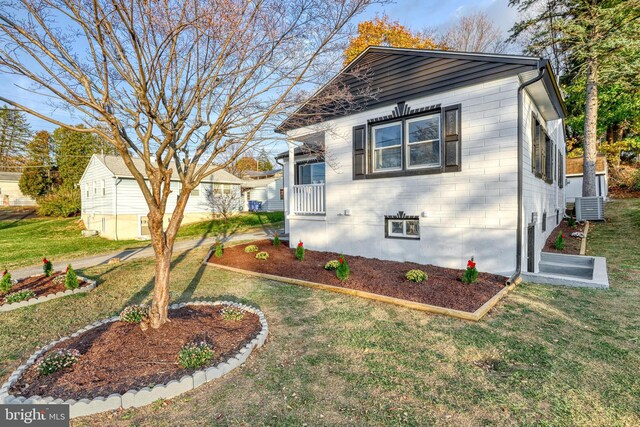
<point>407,172</point>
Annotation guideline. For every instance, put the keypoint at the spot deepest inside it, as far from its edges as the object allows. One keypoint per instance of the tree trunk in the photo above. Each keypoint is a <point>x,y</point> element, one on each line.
<point>158,313</point>
<point>590,130</point>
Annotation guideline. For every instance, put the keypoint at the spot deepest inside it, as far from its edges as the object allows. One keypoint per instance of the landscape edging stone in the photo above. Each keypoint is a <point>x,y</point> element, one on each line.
<point>13,306</point>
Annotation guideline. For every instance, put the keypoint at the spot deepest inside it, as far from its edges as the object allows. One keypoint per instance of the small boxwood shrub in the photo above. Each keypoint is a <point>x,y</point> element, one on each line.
<point>47,267</point>
<point>229,312</point>
<point>195,355</point>
<point>332,265</point>
<point>471,273</point>
<point>262,256</point>
<point>57,361</point>
<point>5,282</point>
<point>19,296</point>
<point>416,275</point>
<point>276,240</point>
<point>71,279</point>
<point>560,241</point>
<point>134,313</point>
<point>343,271</point>
<point>251,248</point>
<point>300,251</point>
<point>218,248</point>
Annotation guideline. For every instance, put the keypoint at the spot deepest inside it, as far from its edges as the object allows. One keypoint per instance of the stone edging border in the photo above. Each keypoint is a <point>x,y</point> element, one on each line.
<point>458,314</point>
<point>92,284</point>
<point>146,395</point>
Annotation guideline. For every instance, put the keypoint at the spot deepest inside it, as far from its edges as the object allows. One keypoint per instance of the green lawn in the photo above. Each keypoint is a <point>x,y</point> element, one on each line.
<point>544,356</point>
<point>25,242</point>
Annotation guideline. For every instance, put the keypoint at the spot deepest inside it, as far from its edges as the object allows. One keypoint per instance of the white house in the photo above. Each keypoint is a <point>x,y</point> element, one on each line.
<point>10,193</point>
<point>113,204</point>
<point>266,191</point>
<point>575,173</point>
<point>457,155</point>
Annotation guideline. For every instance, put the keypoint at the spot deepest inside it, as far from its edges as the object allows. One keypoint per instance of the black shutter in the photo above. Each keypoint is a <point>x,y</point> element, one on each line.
<point>535,146</point>
<point>359,152</point>
<point>452,140</point>
<point>560,170</point>
<point>548,150</point>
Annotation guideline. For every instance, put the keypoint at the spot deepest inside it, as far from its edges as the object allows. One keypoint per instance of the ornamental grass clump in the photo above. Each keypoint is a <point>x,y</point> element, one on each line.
<point>342,272</point>
<point>229,312</point>
<point>134,313</point>
<point>195,355</point>
<point>218,248</point>
<point>5,282</point>
<point>19,296</point>
<point>471,273</point>
<point>47,267</point>
<point>276,240</point>
<point>263,256</point>
<point>417,276</point>
<point>71,279</point>
<point>300,251</point>
<point>560,242</point>
<point>57,361</point>
<point>332,265</point>
<point>251,248</point>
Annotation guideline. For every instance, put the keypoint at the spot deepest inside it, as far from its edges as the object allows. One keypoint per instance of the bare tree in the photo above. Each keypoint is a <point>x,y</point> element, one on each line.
<point>475,33</point>
<point>175,83</point>
<point>222,202</point>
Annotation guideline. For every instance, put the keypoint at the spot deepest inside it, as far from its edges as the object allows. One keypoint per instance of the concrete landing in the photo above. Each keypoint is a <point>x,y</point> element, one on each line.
<point>570,270</point>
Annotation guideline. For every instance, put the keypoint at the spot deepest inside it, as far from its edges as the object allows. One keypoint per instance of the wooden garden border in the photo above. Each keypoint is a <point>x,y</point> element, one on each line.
<point>459,314</point>
<point>583,243</point>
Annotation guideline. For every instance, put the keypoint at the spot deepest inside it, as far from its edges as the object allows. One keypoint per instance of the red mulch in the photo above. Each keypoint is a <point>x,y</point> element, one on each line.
<point>118,356</point>
<point>40,285</point>
<point>443,288</point>
<point>571,244</point>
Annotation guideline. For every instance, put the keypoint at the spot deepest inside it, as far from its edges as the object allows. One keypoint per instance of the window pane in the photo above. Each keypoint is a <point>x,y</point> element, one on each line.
<point>304,174</point>
<point>317,173</point>
<point>387,136</point>
<point>413,228</point>
<point>426,153</point>
<point>389,158</point>
<point>424,129</point>
<point>396,227</point>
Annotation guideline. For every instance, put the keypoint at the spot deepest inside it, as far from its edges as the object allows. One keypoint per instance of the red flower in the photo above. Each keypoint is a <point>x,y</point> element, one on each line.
<point>44,260</point>
<point>471,264</point>
<point>341,260</point>
<point>5,272</point>
<point>300,244</point>
<point>67,269</point>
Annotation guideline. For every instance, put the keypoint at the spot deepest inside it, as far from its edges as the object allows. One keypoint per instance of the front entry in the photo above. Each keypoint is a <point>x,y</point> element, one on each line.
<point>531,248</point>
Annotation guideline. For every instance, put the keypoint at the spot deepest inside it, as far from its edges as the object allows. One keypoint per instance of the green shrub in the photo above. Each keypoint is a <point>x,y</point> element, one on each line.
<point>57,361</point>
<point>332,265</point>
<point>417,276</point>
<point>71,279</point>
<point>251,248</point>
<point>276,240</point>
<point>19,296</point>
<point>560,242</point>
<point>343,271</point>
<point>571,221</point>
<point>62,203</point>
<point>218,248</point>
<point>195,355</point>
<point>134,313</point>
<point>229,312</point>
<point>300,251</point>
<point>471,273</point>
<point>47,267</point>
<point>5,282</point>
<point>636,180</point>
<point>262,256</point>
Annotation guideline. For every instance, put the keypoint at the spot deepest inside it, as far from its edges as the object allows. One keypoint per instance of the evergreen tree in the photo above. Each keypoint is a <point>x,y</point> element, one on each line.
<point>264,164</point>
<point>38,175</point>
<point>14,137</point>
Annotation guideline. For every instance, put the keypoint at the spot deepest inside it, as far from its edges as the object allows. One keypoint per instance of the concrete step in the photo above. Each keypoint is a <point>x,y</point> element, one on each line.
<point>582,271</point>
<point>566,259</point>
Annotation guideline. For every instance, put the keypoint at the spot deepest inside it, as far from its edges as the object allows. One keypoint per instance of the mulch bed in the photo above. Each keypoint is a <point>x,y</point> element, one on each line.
<point>443,288</point>
<point>40,285</point>
<point>118,356</point>
<point>571,244</point>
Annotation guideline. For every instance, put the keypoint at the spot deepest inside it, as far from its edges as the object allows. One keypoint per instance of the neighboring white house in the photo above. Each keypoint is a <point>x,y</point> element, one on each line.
<point>457,155</point>
<point>10,194</point>
<point>266,191</point>
<point>575,174</point>
<point>113,204</point>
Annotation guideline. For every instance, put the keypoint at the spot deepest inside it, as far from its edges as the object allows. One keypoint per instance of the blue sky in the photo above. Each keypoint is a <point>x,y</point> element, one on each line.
<point>418,15</point>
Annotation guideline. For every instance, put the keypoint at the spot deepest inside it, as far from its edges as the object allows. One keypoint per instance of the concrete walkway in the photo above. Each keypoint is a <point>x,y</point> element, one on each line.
<point>137,253</point>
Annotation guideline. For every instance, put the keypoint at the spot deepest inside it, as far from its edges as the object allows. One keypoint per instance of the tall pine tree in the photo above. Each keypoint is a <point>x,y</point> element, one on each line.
<point>38,174</point>
<point>14,137</point>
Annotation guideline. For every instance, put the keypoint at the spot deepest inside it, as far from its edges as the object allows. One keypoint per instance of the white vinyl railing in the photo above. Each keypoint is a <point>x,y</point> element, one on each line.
<point>308,199</point>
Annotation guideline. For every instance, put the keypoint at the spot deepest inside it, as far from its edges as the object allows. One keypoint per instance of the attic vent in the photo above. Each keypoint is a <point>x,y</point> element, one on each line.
<point>590,208</point>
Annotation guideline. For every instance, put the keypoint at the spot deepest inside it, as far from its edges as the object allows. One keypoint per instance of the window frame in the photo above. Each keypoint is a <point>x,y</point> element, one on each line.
<point>388,228</point>
<point>408,144</point>
<point>310,163</point>
<point>399,123</point>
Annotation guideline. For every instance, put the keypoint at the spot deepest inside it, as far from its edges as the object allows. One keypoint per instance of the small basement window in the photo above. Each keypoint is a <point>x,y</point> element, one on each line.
<point>402,227</point>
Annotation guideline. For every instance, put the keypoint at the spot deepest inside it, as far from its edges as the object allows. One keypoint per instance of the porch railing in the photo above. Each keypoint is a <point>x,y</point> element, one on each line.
<point>308,199</point>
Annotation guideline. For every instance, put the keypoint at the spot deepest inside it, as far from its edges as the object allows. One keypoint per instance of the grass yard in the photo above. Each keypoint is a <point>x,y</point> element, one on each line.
<point>25,242</point>
<point>545,356</point>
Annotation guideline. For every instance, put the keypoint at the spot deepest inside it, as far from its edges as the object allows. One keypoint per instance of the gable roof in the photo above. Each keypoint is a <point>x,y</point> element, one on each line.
<point>399,74</point>
<point>117,167</point>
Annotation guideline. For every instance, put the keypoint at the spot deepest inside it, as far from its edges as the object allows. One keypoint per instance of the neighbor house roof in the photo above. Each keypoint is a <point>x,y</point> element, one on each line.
<point>256,183</point>
<point>116,165</point>
<point>261,174</point>
<point>575,165</point>
<point>10,176</point>
<point>398,74</point>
